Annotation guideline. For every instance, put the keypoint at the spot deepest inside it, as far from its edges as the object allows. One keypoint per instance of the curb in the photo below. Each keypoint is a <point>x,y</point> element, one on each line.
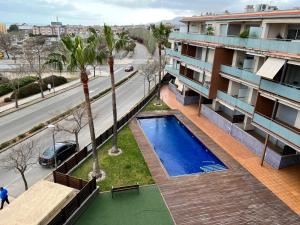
<point>101,94</point>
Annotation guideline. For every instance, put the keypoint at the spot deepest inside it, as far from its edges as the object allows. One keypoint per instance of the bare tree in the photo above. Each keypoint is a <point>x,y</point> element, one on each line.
<point>35,53</point>
<point>76,121</point>
<point>6,43</point>
<point>21,157</point>
<point>14,80</point>
<point>149,70</point>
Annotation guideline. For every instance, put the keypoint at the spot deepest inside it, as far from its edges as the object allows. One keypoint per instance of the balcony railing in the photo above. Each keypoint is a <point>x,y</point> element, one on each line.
<point>241,74</point>
<point>191,61</point>
<point>278,129</point>
<point>250,43</point>
<point>189,82</point>
<point>281,90</point>
<point>235,102</point>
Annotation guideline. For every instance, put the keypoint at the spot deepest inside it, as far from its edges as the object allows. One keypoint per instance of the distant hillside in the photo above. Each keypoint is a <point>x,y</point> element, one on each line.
<point>175,21</point>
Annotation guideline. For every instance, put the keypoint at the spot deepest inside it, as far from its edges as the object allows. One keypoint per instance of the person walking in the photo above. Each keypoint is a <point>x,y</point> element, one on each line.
<point>3,196</point>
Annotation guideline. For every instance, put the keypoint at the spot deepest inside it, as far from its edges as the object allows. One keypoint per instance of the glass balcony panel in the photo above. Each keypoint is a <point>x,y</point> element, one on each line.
<point>242,74</point>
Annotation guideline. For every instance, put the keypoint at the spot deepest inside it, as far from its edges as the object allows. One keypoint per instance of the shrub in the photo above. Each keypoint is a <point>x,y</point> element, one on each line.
<point>36,128</point>
<point>34,88</point>
<point>244,34</point>
<point>7,99</point>
<point>21,136</point>
<point>7,88</point>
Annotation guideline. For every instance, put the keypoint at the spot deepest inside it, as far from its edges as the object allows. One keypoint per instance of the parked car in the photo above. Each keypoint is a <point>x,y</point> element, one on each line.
<point>63,151</point>
<point>129,68</point>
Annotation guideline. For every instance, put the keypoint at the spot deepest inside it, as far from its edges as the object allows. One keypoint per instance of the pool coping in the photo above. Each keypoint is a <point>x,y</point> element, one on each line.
<point>184,197</point>
<point>175,113</point>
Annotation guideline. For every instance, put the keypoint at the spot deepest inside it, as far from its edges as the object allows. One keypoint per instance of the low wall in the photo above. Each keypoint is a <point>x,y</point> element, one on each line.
<point>184,100</point>
<point>276,160</point>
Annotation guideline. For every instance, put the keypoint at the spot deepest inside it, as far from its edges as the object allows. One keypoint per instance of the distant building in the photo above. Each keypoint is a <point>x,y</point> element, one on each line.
<point>57,29</point>
<point>24,27</point>
<point>3,28</point>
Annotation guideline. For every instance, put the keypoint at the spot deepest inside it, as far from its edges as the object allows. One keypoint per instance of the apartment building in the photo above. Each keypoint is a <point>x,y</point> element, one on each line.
<point>56,29</point>
<point>243,69</point>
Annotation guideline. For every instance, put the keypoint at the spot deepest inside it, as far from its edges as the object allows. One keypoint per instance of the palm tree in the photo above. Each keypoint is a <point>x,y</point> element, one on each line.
<point>114,43</point>
<point>161,34</point>
<point>99,48</point>
<point>79,55</point>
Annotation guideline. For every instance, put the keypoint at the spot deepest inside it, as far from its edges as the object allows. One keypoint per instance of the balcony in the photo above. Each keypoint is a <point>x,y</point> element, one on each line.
<point>196,86</point>
<point>285,91</point>
<point>241,74</point>
<point>189,60</point>
<point>277,129</point>
<point>245,107</point>
<point>250,43</point>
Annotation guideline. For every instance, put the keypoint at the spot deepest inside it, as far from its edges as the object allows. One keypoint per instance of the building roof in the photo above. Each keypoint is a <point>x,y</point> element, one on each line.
<point>38,205</point>
<point>295,13</point>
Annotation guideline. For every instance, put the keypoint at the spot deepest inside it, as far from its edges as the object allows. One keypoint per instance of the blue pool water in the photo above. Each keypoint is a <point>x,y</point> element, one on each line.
<point>179,150</point>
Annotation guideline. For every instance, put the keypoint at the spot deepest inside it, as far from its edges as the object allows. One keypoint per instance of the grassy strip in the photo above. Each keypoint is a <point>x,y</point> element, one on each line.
<point>151,106</point>
<point>60,116</point>
<point>125,169</point>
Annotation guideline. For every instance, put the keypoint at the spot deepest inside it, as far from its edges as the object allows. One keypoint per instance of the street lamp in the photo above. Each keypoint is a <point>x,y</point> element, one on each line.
<point>52,128</point>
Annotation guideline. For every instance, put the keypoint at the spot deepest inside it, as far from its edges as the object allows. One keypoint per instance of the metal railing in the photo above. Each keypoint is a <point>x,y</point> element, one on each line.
<point>189,82</point>
<point>250,43</point>
<point>235,102</point>
<point>241,74</point>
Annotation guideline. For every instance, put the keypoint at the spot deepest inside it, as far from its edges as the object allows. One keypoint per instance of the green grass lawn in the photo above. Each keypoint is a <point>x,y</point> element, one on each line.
<point>125,169</point>
<point>128,208</point>
<point>152,107</point>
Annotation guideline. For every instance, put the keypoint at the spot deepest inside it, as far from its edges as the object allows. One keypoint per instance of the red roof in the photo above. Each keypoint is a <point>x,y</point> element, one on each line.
<point>265,14</point>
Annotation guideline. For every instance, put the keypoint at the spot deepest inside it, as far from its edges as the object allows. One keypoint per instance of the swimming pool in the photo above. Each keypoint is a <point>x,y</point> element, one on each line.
<point>178,149</point>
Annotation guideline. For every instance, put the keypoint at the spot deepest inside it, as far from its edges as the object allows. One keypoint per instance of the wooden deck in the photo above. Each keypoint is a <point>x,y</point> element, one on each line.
<point>233,196</point>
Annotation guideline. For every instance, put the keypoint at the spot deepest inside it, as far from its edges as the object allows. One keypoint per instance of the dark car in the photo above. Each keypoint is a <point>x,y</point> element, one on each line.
<point>63,151</point>
<point>129,68</point>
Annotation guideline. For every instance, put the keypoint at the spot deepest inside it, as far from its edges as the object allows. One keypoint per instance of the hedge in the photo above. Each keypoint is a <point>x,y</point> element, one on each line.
<point>34,88</point>
<point>7,88</point>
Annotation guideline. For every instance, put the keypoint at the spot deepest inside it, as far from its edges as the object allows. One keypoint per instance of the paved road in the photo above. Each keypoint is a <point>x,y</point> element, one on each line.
<point>23,120</point>
<point>129,94</point>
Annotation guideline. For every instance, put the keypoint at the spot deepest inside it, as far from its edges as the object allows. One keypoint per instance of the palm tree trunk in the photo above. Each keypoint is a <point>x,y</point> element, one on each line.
<point>84,80</point>
<point>114,104</point>
<point>94,71</point>
<point>159,74</point>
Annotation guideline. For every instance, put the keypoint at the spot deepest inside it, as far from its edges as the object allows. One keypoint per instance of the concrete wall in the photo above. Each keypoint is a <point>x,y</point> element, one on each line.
<point>184,100</point>
<point>276,160</point>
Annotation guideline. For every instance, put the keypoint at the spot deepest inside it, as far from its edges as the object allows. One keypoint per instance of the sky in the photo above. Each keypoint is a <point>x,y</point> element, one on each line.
<point>118,12</point>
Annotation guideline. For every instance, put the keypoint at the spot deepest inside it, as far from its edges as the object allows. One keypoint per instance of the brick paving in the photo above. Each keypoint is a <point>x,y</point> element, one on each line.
<point>233,196</point>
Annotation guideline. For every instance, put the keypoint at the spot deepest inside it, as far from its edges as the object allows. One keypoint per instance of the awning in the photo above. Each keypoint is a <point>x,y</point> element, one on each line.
<point>294,63</point>
<point>271,67</point>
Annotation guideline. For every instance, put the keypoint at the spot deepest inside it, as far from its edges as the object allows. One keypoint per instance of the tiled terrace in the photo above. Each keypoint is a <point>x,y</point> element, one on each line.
<point>229,197</point>
<point>284,183</point>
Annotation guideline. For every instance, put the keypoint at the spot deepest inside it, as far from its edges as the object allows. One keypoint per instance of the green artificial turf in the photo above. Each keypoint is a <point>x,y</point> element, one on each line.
<point>128,208</point>
<point>125,169</point>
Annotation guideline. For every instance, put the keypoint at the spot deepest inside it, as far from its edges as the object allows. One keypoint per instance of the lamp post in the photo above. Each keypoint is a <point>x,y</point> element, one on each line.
<point>52,128</point>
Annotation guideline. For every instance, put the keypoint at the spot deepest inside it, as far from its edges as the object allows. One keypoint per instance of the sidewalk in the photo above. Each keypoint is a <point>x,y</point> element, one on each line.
<point>37,97</point>
<point>284,183</point>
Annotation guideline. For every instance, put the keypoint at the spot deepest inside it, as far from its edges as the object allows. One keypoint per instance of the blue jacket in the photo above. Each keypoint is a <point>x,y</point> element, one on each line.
<point>3,194</point>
